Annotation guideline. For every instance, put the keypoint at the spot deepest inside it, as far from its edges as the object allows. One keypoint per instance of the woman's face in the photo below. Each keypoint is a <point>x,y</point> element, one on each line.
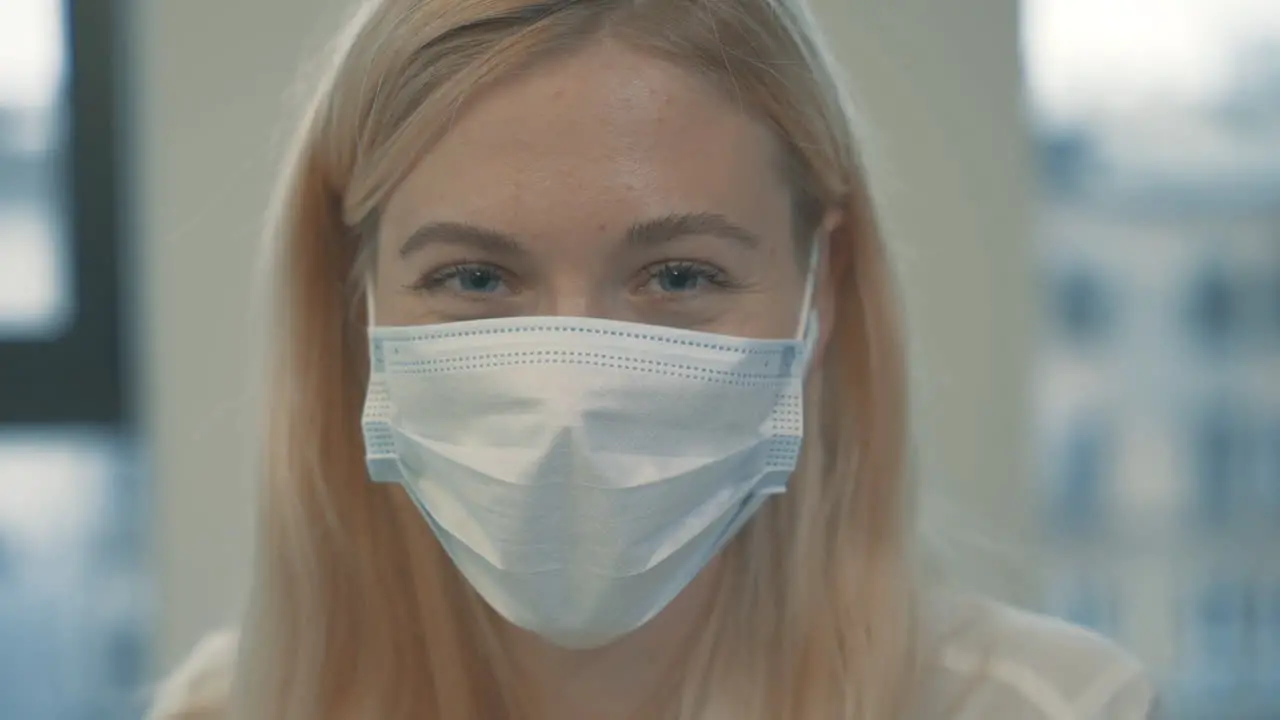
<point>607,184</point>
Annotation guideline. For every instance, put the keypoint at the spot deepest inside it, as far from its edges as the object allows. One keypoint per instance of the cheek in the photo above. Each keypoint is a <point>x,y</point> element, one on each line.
<point>771,313</point>
<point>783,321</point>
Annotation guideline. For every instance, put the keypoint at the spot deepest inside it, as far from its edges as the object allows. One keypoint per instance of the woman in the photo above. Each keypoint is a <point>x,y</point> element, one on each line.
<point>562,288</point>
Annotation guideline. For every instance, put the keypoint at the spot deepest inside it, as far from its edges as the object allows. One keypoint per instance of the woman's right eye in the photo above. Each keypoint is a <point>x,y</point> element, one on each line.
<point>473,279</point>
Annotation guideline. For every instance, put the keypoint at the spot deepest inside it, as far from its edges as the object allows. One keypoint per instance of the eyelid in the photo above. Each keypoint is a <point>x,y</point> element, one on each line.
<point>681,263</point>
<point>434,278</point>
<point>710,272</point>
<point>440,274</point>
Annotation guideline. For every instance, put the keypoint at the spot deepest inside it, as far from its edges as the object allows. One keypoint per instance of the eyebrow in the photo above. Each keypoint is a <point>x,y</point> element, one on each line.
<point>646,233</point>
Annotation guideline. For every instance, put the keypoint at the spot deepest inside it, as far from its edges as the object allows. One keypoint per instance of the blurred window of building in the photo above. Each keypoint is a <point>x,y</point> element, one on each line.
<point>74,625</point>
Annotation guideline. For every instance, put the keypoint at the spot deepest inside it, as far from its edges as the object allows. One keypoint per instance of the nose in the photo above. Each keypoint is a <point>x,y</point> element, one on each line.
<point>576,296</point>
<point>576,304</point>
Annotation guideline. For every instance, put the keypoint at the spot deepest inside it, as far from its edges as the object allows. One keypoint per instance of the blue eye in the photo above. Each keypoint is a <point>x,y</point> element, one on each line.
<point>479,279</point>
<point>685,277</point>
<point>465,278</point>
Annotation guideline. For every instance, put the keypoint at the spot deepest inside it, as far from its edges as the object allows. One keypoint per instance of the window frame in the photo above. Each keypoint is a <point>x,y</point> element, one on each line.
<point>78,376</point>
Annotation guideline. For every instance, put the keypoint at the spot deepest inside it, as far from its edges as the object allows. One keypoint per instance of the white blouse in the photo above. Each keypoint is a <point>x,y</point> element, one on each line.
<point>993,662</point>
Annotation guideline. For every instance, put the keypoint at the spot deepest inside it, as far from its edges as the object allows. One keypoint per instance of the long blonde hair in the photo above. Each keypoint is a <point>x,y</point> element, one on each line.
<point>356,611</point>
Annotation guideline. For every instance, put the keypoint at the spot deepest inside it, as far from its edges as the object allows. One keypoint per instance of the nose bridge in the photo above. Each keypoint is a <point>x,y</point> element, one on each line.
<point>576,290</point>
<point>582,304</point>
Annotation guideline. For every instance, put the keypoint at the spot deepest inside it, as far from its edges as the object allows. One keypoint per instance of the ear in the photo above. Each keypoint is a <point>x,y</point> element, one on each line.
<point>824,297</point>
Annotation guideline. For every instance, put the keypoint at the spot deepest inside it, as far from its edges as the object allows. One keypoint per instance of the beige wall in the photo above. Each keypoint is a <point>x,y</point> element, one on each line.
<point>939,87</point>
<point>213,94</point>
<point>937,83</point>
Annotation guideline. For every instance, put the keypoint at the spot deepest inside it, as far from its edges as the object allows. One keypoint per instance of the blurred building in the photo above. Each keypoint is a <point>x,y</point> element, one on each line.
<point>1158,389</point>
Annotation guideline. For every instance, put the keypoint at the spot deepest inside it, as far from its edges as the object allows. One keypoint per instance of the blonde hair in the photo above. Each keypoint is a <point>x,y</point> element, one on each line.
<point>356,611</point>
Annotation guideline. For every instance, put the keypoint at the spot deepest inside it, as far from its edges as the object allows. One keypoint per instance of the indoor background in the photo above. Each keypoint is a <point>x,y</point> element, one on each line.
<point>1083,195</point>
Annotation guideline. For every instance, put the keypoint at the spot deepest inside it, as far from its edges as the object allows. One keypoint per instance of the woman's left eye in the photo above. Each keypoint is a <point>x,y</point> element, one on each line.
<point>684,277</point>
<point>466,279</point>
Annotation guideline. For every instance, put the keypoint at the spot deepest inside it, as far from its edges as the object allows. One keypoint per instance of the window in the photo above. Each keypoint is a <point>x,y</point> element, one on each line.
<point>1083,473</point>
<point>72,627</point>
<point>1268,476</point>
<point>1082,305</point>
<point>1065,160</point>
<point>1218,445</point>
<point>1212,309</point>
<point>1217,653</point>
<point>1273,302</point>
<point>60,342</point>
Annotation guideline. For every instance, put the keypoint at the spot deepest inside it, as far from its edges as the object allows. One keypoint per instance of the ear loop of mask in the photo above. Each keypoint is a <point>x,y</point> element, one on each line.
<point>806,320</point>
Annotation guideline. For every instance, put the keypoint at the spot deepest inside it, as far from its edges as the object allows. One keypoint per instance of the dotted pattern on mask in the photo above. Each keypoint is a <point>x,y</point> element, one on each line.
<point>783,452</point>
<point>379,439</point>
<point>378,436</point>
<point>788,414</point>
<point>787,424</point>
<point>489,361</point>
<point>441,332</point>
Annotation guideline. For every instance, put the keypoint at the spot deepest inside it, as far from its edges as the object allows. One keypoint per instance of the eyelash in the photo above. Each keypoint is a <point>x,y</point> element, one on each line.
<point>704,272</point>
<point>435,279</point>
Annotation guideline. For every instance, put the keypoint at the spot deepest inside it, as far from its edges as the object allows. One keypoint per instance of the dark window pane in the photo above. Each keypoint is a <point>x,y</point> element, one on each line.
<point>1212,309</point>
<point>1083,472</point>
<point>1273,304</point>
<point>1082,305</point>
<point>1219,446</point>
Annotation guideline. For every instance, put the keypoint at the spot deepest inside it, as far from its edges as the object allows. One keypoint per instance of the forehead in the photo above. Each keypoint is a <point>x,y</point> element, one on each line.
<point>600,138</point>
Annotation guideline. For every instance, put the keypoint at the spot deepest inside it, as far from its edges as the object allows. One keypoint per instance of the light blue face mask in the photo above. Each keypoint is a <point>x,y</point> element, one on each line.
<point>581,472</point>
